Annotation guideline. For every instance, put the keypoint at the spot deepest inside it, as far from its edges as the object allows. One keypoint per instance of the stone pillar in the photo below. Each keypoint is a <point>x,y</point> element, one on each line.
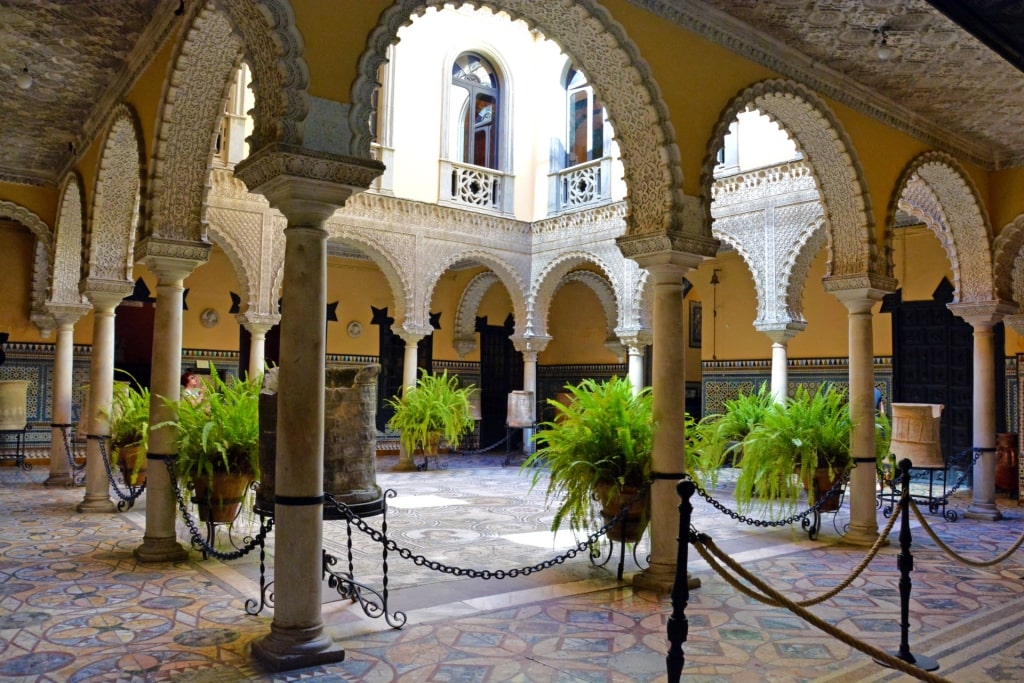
<point>780,334</point>
<point>65,316</point>
<point>859,297</point>
<point>409,377</point>
<point>983,316</point>
<point>171,262</point>
<point>104,295</point>
<point>258,326</point>
<point>635,344</point>
<point>307,187</point>
<point>530,346</point>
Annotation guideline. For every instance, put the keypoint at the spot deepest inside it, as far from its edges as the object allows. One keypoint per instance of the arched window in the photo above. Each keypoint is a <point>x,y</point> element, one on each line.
<point>475,102</point>
<point>586,129</point>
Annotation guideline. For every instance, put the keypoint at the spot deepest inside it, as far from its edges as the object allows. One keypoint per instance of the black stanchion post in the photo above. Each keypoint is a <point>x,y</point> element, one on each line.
<point>677,626</point>
<point>905,563</point>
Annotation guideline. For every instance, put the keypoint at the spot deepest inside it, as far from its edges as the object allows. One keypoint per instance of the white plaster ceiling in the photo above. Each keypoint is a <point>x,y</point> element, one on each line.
<point>941,84</point>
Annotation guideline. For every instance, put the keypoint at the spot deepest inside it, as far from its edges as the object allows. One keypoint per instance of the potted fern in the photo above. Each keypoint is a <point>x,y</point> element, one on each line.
<point>218,444</point>
<point>129,430</point>
<point>597,449</point>
<point>435,409</point>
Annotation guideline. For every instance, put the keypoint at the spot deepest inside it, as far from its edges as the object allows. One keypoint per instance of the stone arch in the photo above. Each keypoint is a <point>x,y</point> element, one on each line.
<point>419,312</point>
<point>599,46</point>
<point>795,267</point>
<point>605,294</point>
<point>375,246</point>
<point>935,189</point>
<point>1006,250</point>
<point>837,172</point>
<point>110,232</point>
<point>465,313</point>
<point>552,277</point>
<point>753,264</point>
<point>193,105</point>
<point>225,238</point>
<point>42,251</point>
<point>67,250</point>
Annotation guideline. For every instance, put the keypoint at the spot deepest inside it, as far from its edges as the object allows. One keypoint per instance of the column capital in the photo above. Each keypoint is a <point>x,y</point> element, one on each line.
<point>530,343</point>
<point>982,314</point>
<point>679,251</point>
<point>306,185</point>
<point>781,332</point>
<point>105,293</point>
<point>464,345</point>
<point>66,313</point>
<point>859,288</point>
<point>635,339</point>
<point>410,338</point>
<point>257,322</point>
<point>170,258</point>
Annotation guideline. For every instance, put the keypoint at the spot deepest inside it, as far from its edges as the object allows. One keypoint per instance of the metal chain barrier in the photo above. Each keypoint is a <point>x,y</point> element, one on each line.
<point>127,500</point>
<point>978,452</point>
<point>486,574</point>
<point>479,451</point>
<point>793,519</point>
<point>810,602</point>
<point>956,556</point>
<point>197,538</point>
<point>77,471</point>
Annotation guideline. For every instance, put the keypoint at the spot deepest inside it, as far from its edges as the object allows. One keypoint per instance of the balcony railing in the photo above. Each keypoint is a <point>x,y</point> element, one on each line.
<point>581,185</point>
<point>476,187</point>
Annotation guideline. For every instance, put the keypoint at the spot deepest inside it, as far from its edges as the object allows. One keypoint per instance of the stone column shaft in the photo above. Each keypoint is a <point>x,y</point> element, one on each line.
<point>636,368</point>
<point>63,367</point>
<point>409,377</point>
<point>530,384</point>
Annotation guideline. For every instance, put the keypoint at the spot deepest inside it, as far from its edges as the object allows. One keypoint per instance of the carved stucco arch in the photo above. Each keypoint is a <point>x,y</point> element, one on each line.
<point>226,238</point>
<point>193,105</point>
<point>751,261</point>
<point>465,313</point>
<point>795,268</point>
<point>375,246</point>
<point>837,172</point>
<point>599,46</point>
<point>42,250</point>
<point>935,189</point>
<point>605,293</point>
<point>110,231</point>
<point>1008,265</point>
<point>67,251</point>
<point>551,278</point>
<point>512,279</point>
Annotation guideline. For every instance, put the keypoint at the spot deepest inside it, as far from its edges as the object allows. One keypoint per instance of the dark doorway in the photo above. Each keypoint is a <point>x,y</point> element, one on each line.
<point>391,354</point>
<point>133,335</point>
<point>271,348</point>
<point>501,372</point>
<point>933,362</point>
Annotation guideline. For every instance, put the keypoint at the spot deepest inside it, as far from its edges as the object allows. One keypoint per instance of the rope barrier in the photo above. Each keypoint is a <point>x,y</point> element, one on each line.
<point>956,556</point>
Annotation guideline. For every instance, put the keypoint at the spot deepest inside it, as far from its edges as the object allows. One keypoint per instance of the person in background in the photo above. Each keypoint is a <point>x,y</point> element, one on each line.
<point>192,388</point>
<point>879,403</point>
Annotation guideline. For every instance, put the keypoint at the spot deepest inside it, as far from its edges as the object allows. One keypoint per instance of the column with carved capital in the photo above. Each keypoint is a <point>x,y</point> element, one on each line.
<point>65,316</point>
<point>409,370</point>
<point>635,345</point>
<point>258,326</point>
<point>171,261</point>
<point>530,347</point>
<point>859,296</point>
<point>780,334</point>
<point>983,316</point>
<point>307,187</point>
<point>104,295</point>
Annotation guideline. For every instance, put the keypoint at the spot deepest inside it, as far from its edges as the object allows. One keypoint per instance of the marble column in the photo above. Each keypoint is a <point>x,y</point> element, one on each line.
<point>104,295</point>
<point>780,334</point>
<point>669,407</point>
<point>171,262</point>
<point>863,479</point>
<point>306,186</point>
<point>983,316</point>
<point>530,346</point>
<point>409,377</point>
<point>65,316</point>
<point>257,326</point>
<point>635,345</point>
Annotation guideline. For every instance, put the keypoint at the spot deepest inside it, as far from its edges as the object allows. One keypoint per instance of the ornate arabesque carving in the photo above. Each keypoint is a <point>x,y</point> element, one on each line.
<point>1008,261</point>
<point>111,228</point>
<point>465,312</point>
<point>598,45</point>
<point>935,188</point>
<point>829,153</point>
<point>67,253</point>
<point>553,276</point>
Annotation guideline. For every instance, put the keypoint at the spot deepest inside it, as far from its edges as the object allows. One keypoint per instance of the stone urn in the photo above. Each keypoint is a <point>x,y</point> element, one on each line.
<point>350,440</point>
<point>13,402</point>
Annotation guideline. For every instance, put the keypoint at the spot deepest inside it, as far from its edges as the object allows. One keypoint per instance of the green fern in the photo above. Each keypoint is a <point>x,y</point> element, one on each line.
<point>435,408</point>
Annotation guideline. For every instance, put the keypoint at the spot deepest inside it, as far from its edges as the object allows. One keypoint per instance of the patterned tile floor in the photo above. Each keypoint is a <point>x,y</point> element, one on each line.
<point>75,606</point>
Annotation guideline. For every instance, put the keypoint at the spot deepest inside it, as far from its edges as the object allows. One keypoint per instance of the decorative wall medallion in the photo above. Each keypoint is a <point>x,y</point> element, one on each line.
<point>355,328</point>
<point>209,318</point>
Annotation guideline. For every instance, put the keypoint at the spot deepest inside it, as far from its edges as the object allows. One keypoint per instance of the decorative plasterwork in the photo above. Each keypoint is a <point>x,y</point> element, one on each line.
<point>465,312</point>
<point>110,233</point>
<point>1008,263</point>
<point>605,294</point>
<point>552,277</point>
<point>599,46</point>
<point>935,189</point>
<point>67,253</point>
<point>193,105</point>
<point>829,153</point>
<point>42,250</point>
<point>391,254</point>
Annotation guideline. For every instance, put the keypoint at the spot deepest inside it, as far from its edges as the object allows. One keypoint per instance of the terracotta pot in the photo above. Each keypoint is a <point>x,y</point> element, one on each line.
<point>127,458</point>
<point>637,518</point>
<point>220,500</point>
<point>823,483</point>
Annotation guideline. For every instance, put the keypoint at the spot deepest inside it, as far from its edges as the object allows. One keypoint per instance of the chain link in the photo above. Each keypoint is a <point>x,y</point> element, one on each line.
<point>127,499</point>
<point>77,471</point>
<point>486,574</point>
<point>836,490</point>
<point>478,451</point>
<point>197,538</point>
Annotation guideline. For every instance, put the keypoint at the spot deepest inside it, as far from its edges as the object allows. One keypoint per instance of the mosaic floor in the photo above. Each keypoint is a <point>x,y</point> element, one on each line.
<point>75,606</point>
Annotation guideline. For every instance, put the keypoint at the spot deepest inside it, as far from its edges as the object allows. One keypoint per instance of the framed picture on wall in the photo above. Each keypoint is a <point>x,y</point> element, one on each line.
<point>695,323</point>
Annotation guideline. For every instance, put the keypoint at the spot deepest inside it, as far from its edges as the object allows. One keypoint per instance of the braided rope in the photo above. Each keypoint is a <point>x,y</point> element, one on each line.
<point>810,602</point>
<point>955,555</point>
<point>699,540</point>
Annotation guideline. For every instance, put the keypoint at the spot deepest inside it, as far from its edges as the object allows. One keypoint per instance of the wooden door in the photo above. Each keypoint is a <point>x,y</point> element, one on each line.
<point>501,372</point>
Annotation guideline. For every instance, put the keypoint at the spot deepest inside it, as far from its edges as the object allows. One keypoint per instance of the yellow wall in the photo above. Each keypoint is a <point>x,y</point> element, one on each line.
<point>16,247</point>
<point>42,201</point>
<point>578,328</point>
<point>208,286</point>
<point>1007,197</point>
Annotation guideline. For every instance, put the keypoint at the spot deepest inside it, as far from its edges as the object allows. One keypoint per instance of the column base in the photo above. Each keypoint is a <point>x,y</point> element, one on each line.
<point>62,479</point>
<point>96,504</point>
<point>285,649</point>
<point>661,578</point>
<point>864,537</point>
<point>160,550</point>
<point>986,512</point>
<point>404,466</point>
